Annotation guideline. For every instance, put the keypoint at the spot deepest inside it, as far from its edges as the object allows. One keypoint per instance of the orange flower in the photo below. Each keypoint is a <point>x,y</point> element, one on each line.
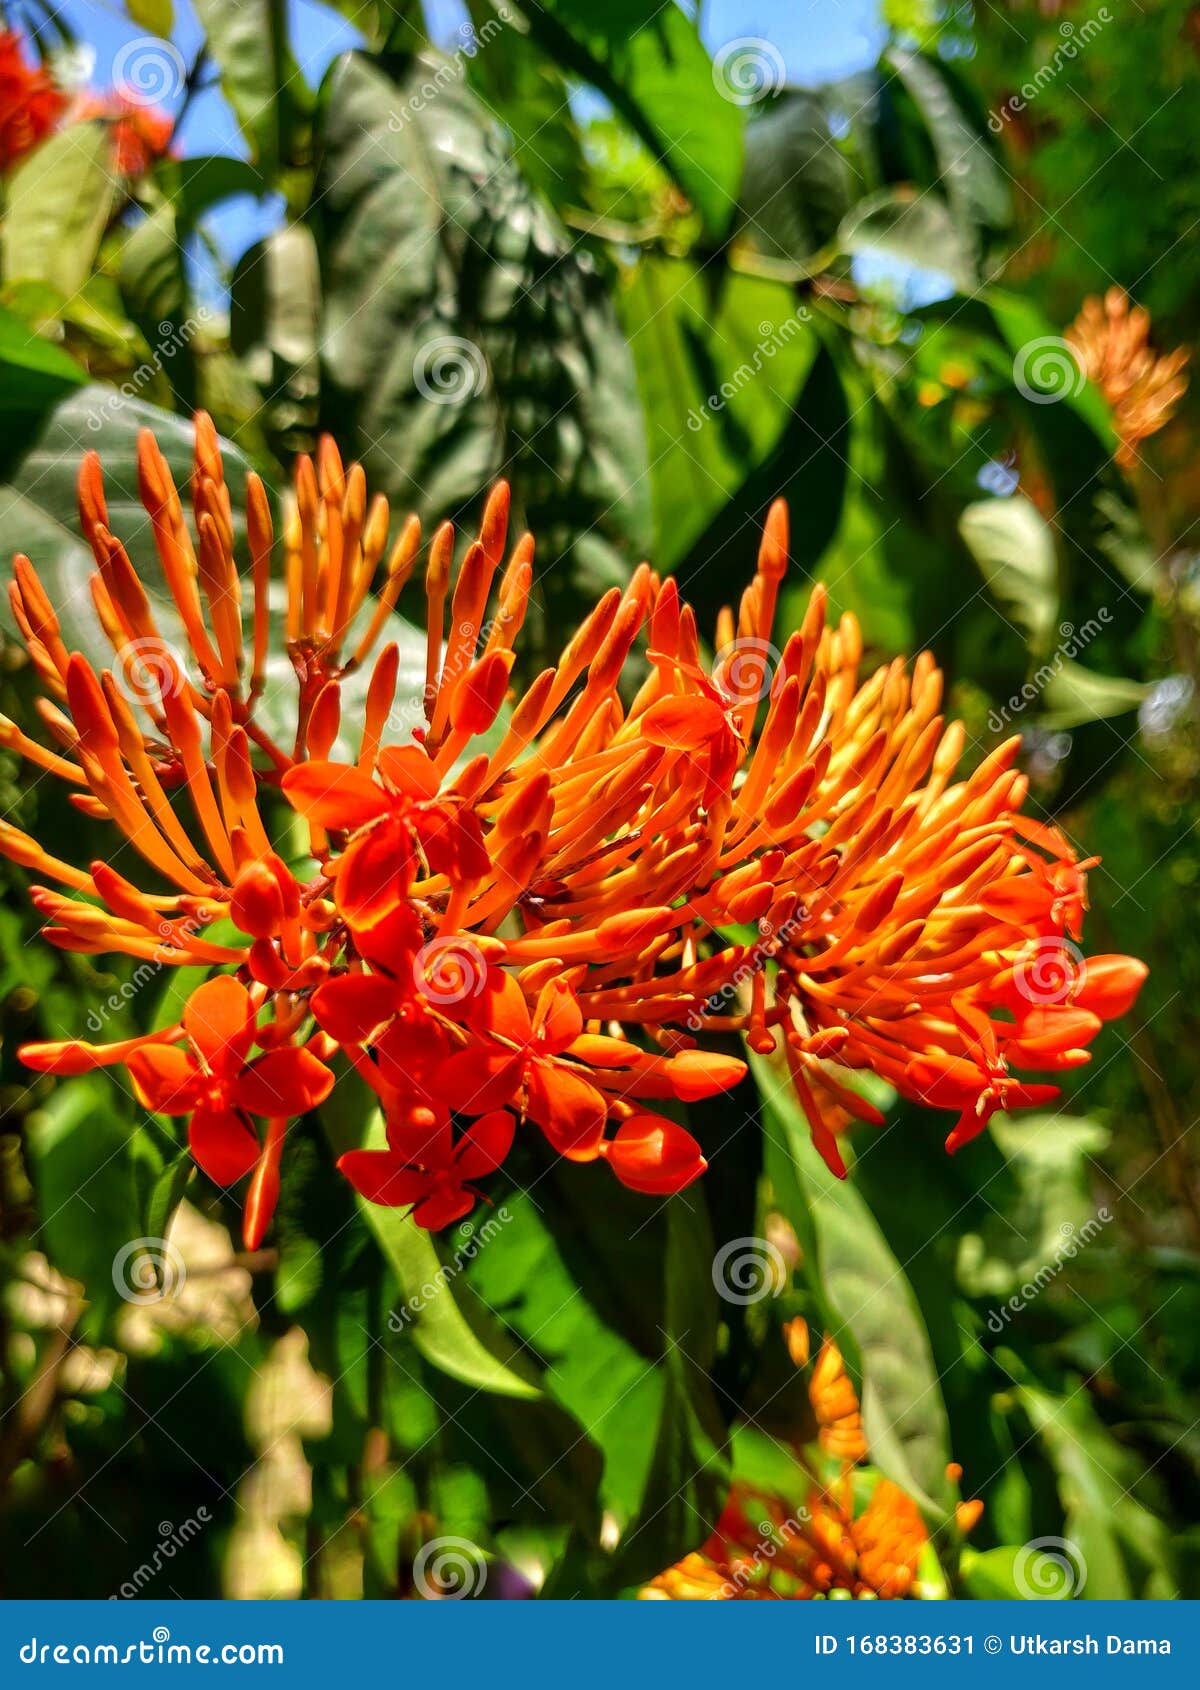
<point>538,914</point>
<point>30,104</point>
<point>1111,339</point>
<point>761,1550</point>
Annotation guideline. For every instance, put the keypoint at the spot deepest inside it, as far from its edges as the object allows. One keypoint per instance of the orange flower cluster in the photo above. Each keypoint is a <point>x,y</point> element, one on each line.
<point>1111,339</point>
<point>30,104</point>
<point>763,1549</point>
<point>532,914</point>
<point>762,1552</point>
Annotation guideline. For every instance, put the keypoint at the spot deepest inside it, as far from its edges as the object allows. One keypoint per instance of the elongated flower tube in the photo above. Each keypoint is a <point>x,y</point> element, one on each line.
<point>530,912</point>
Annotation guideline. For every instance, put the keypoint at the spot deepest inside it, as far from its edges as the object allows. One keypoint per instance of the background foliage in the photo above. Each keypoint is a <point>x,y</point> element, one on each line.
<point>563,244</point>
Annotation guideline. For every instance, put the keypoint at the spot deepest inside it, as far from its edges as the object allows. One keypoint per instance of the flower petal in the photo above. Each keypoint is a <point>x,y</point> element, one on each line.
<point>222,1144</point>
<point>284,1082</point>
<point>339,796</point>
<point>219,1020</point>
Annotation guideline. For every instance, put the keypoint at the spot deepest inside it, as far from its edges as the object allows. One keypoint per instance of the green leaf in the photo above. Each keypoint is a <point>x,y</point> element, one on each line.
<point>166,1194</point>
<point>968,174</point>
<point>464,335</point>
<point>1013,545</point>
<point>656,73</point>
<point>274,327</point>
<point>531,97</point>
<point>1075,695</point>
<point>917,229</point>
<point>243,37</point>
<point>796,184</point>
<point>57,205</point>
<point>155,15</point>
<point>717,384</point>
<point>83,1156</point>
<point>1120,1548</point>
<point>872,1312</point>
<point>35,371</point>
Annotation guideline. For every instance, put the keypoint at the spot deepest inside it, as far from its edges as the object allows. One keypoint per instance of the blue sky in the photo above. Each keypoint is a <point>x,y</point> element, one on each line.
<point>819,39</point>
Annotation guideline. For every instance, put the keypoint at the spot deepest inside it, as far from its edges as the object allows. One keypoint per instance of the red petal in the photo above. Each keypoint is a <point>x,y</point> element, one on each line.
<point>500,1008</point>
<point>219,1020</point>
<point>569,1110</point>
<point>684,723</point>
<point>479,1079</point>
<point>484,1145</point>
<point>654,1155</point>
<point>284,1082</point>
<point>375,873</point>
<point>351,1007</point>
<point>443,1207</point>
<point>334,795</point>
<point>164,1078</point>
<point>558,1019</point>
<point>383,1176</point>
<point>1110,985</point>
<point>409,770</point>
<point>222,1144</point>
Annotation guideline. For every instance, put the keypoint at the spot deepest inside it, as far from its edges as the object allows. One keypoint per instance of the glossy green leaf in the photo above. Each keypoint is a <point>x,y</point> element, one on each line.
<point>57,205</point>
<point>1013,545</point>
<point>875,1316</point>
